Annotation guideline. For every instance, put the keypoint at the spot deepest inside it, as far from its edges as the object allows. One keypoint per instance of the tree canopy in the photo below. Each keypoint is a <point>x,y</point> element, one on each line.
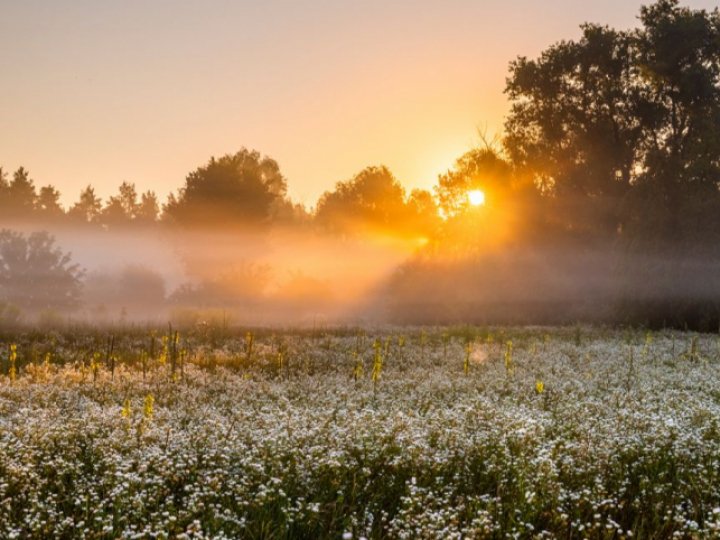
<point>621,129</point>
<point>374,200</point>
<point>244,188</point>
<point>35,274</point>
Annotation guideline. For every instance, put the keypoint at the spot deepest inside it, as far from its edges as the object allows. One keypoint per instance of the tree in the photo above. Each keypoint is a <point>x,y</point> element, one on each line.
<point>35,274</point>
<point>424,214</point>
<point>481,168</point>
<point>373,201</point>
<point>573,126</point>
<point>122,208</point>
<point>4,193</point>
<point>621,129</point>
<point>48,204</point>
<point>239,189</point>
<point>678,54</point>
<point>88,208</point>
<point>21,195</point>
<point>148,210</point>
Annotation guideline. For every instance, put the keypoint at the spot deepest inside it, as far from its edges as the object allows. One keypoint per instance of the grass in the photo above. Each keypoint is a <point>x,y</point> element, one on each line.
<point>427,433</point>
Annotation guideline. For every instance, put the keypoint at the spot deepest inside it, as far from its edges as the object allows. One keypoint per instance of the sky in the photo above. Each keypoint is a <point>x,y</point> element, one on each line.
<point>102,91</point>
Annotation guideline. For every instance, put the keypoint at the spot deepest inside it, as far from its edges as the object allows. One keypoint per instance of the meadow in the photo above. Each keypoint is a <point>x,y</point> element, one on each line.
<point>457,432</point>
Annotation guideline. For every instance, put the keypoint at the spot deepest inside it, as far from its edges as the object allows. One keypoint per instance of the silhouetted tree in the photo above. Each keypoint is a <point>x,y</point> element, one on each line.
<point>48,204</point>
<point>148,211</point>
<point>573,126</point>
<point>21,196</point>
<point>122,208</point>
<point>678,96</point>
<point>481,168</point>
<point>622,128</point>
<point>35,274</point>
<point>4,194</point>
<point>88,208</point>
<point>238,189</point>
<point>423,213</point>
<point>373,200</point>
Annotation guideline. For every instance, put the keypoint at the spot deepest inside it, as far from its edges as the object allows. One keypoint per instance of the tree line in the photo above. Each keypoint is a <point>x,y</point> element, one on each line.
<point>244,190</point>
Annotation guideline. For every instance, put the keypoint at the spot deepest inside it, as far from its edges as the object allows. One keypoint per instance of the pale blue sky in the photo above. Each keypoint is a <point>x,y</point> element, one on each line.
<point>99,91</point>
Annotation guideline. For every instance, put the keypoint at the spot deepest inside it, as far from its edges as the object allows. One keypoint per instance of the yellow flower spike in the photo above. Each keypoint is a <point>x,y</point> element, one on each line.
<point>148,407</point>
<point>162,359</point>
<point>539,387</point>
<point>468,352</point>
<point>126,411</point>
<point>377,361</point>
<point>12,373</point>
<point>509,366</point>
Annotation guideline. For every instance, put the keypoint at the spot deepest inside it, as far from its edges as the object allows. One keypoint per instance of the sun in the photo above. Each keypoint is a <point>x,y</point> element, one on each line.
<point>476,197</point>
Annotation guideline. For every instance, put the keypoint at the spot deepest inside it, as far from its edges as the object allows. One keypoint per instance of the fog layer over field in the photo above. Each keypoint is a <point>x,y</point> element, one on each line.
<point>279,277</point>
<point>307,277</point>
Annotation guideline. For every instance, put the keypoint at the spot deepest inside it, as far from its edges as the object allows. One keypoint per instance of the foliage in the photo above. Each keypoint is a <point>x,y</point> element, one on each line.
<point>238,189</point>
<point>35,274</point>
<point>622,128</point>
<point>374,201</point>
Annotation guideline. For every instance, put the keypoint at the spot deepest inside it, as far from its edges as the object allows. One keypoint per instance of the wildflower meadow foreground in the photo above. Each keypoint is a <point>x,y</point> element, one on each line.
<point>385,433</point>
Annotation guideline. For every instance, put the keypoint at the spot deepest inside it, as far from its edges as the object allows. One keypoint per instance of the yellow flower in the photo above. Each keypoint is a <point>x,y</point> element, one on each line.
<point>13,357</point>
<point>148,407</point>
<point>126,411</point>
<point>539,387</point>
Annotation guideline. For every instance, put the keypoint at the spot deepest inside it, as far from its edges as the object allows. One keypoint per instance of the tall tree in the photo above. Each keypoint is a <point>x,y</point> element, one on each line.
<point>4,193</point>
<point>622,128</point>
<point>237,189</point>
<point>573,126</point>
<point>148,210</point>
<point>372,200</point>
<point>122,208</point>
<point>481,168</point>
<point>21,195</point>
<point>678,57</point>
<point>48,204</point>
<point>88,207</point>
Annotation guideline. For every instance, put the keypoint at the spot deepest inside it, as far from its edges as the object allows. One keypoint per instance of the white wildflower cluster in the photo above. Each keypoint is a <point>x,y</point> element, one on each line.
<point>562,433</point>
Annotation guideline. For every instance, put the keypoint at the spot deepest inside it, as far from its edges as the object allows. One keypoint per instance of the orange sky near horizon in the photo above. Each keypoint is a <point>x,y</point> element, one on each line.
<point>99,91</point>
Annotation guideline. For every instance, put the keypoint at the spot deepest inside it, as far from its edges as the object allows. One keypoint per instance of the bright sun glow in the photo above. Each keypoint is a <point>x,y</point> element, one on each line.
<point>476,197</point>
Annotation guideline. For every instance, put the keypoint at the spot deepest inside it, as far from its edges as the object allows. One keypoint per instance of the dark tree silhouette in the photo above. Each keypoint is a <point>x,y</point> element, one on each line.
<point>35,274</point>
<point>88,207</point>
<point>148,210</point>
<point>622,128</point>
<point>21,196</point>
<point>4,194</point>
<point>373,200</point>
<point>481,168</point>
<point>48,205</point>
<point>239,189</point>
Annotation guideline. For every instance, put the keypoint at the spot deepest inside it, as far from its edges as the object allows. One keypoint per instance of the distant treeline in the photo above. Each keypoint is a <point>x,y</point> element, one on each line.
<point>243,190</point>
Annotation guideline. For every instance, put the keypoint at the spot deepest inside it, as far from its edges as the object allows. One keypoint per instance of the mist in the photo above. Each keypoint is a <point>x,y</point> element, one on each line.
<point>278,277</point>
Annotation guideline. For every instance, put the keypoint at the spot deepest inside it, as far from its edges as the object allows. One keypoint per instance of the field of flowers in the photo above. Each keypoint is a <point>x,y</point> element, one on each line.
<point>385,433</point>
